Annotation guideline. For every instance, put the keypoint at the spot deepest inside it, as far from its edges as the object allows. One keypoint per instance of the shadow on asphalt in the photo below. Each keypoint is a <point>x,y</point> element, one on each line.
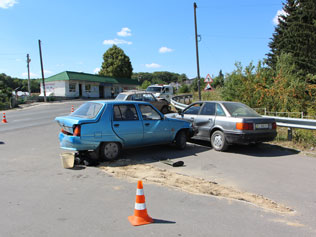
<point>158,221</point>
<point>153,154</point>
<point>170,155</point>
<point>262,150</point>
<point>258,150</point>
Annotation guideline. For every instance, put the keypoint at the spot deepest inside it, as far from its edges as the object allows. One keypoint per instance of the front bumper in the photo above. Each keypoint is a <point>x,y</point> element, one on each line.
<point>248,138</point>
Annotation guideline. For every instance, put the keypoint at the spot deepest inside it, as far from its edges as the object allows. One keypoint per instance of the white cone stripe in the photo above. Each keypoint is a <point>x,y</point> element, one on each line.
<point>139,192</point>
<point>140,206</point>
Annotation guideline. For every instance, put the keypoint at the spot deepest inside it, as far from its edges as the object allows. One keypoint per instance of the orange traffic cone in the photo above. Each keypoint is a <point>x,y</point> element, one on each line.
<point>140,213</point>
<point>4,120</point>
<point>72,109</point>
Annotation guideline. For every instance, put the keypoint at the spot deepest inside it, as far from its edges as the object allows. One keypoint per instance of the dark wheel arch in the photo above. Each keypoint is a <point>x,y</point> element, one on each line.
<point>181,139</point>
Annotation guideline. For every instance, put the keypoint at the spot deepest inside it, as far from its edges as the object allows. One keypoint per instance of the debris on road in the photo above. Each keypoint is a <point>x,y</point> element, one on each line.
<point>131,170</point>
<point>173,164</point>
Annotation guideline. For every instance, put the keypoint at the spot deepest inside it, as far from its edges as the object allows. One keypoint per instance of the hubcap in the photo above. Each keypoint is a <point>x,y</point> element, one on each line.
<point>111,150</point>
<point>218,141</point>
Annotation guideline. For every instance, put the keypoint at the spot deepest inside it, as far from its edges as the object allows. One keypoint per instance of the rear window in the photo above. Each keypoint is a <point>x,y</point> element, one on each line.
<point>240,110</point>
<point>153,89</point>
<point>88,110</point>
<point>120,97</point>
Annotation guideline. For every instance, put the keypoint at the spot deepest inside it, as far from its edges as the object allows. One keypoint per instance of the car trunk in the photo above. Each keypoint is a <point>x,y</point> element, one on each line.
<point>68,123</point>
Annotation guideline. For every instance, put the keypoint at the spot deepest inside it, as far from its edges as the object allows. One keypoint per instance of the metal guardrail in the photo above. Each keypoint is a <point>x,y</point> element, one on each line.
<point>281,121</point>
<point>176,101</point>
<point>294,122</point>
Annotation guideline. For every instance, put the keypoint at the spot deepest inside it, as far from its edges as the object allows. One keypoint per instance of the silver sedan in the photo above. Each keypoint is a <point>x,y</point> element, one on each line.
<point>224,123</point>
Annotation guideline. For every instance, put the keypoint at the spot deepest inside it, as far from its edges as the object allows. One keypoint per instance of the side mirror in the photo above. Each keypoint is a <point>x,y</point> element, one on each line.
<point>180,113</point>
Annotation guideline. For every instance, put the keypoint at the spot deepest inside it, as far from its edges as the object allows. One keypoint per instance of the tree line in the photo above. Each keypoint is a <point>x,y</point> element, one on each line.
<point>9,84</point>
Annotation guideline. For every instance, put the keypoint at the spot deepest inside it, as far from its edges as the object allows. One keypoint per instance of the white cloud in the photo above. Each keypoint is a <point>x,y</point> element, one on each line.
<point>47,72</point>
<point>96,70</point>
<point>278,14</point>
<point>124,32</point>
<point>116,41</point>
<point>7,3</point>
<point>153,65</point>
<point>24,74</point>
<point>165,50</point>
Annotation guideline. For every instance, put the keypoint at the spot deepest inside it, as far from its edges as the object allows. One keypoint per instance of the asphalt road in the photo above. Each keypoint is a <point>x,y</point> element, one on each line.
<point>40,198</point>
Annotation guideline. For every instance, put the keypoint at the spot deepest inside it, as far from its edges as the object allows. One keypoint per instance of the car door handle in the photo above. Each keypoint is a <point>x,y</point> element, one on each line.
<point>147,124</point>
<point>116,125</point>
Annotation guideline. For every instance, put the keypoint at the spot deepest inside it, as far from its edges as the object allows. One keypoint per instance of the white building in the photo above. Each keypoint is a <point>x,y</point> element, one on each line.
<point>76,84</point>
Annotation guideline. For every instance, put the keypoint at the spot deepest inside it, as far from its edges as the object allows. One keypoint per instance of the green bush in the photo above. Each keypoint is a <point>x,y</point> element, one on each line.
<point>305,137</point>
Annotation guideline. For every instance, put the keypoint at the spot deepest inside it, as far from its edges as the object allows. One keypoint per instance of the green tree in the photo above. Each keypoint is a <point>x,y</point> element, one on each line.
<point>184,89</point>
<point>219,80</point>
<point>145,84</point>
<point>116,63</point>
<point>296,35</point>
<point>159,77</point>
<point>194,86</point>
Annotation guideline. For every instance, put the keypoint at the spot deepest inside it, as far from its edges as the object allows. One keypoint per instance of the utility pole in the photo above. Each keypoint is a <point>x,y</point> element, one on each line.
<point>197,51</point>
<point>28,60</point>
<point>43,80</point>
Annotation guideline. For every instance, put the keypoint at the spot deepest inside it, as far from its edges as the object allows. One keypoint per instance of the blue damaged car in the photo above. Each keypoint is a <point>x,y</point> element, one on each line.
<point>107,127</point>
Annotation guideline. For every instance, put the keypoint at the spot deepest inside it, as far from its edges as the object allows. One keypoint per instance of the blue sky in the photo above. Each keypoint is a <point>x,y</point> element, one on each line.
<point>156,35</point>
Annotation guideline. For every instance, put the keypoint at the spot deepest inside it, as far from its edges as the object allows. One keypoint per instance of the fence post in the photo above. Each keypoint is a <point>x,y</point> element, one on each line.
<point>289,134</point>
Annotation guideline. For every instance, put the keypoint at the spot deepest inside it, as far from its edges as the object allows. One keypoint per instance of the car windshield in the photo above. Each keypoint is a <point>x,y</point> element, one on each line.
<point>154,89</point>
<point>240,110</point>
<point>88,110</point>
<point>120,96</point>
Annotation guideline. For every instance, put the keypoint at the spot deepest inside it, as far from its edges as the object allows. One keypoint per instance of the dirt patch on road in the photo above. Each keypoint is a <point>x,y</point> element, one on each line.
<point>148,173</point>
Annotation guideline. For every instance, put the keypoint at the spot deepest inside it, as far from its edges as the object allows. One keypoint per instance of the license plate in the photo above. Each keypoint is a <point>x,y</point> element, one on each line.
<point>262,126</point>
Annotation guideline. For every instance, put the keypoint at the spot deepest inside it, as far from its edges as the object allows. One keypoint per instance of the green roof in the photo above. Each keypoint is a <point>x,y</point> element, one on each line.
<point>80,76</point>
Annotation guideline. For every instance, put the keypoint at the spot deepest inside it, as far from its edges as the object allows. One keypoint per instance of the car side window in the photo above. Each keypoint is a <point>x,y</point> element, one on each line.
<point>124,113</point>
<point>148,97</point>
<point>193,109</point>
<point>219,110</point>
<point>148,113</point>
<point>208,109</point>
<point>137,97</point>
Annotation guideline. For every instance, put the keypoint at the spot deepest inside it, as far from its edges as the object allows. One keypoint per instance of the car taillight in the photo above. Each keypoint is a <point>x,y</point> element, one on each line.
<point>77,131</point>
<point>244,126</point>
<point>274,125</point>
<point>65,132</point>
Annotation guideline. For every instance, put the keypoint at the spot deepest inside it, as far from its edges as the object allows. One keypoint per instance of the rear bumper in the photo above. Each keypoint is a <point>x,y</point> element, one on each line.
<point>74,143</point>
<point>250,138</point>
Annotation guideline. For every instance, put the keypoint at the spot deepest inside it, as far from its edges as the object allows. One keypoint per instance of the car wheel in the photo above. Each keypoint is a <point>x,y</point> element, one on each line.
<point>110,150</point>
<point>165,110</point>
<point>181,140</point>
<point>218,141</point>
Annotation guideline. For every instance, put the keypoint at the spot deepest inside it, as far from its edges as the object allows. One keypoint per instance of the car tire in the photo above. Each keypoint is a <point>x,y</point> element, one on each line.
<point>181,140</point>
<point>165,110</point>
<point>110,151</point>
<point>218,141</point>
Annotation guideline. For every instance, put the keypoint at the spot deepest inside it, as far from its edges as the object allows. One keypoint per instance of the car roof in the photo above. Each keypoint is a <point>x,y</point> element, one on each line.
<point>217,101</point>
<point>118,102</point>
<point>135,92</point>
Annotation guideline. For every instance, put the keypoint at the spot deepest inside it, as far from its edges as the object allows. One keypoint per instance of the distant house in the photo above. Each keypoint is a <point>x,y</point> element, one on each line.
<point>77,84</point>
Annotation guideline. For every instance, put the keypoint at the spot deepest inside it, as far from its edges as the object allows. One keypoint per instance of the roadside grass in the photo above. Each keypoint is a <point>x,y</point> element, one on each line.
<point>302,140</point>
